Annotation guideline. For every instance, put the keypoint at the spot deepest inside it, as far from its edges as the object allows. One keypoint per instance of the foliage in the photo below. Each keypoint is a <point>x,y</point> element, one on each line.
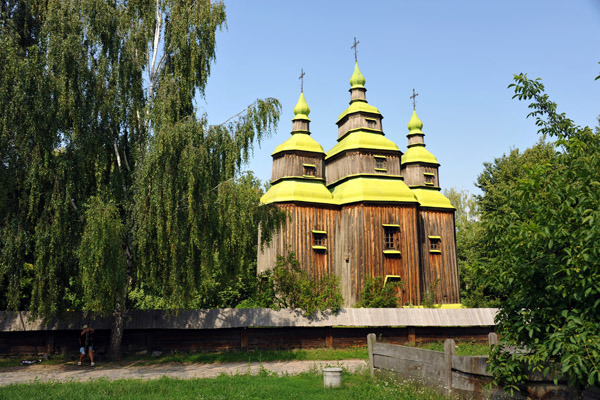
<point>543,240</point>
<point>101,256</point>
<point>377,294</point>
<point>295,288</point>
<point>428,300</point>
<point>97,102</point>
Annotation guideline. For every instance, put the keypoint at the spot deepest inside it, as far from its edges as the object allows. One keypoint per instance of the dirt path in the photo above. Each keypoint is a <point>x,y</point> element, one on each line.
<point>71,372</point>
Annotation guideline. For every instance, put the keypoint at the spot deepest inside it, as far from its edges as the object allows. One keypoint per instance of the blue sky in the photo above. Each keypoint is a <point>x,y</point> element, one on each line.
<point>460,56</point>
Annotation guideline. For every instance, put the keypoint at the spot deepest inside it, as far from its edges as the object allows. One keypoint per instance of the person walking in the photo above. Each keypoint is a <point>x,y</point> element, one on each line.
<point>86,344</point>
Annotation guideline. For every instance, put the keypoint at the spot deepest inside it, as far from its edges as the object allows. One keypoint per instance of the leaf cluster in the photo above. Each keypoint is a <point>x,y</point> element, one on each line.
<point>295,288</point>
<point>377,294</point>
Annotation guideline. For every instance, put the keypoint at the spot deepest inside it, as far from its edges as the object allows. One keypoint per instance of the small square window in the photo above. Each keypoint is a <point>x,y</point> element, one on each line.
<point>429,179</point>
<point>319,241</point>
<point>310,170</point>
<point>380,163</point>
<point>371,124</point>
<point>390,237</point>
<point>435,244</point>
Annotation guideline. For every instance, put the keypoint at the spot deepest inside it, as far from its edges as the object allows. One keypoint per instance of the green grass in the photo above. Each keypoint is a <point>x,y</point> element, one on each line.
<point>257,356</point>
<point>462,348</point>
<point>264,386</point>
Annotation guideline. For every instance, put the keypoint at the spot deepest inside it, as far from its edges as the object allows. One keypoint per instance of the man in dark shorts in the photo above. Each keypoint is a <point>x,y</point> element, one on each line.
<point>86,343</point>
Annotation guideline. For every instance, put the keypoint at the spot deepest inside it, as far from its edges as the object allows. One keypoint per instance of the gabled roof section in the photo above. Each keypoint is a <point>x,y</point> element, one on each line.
<point>298,190</point>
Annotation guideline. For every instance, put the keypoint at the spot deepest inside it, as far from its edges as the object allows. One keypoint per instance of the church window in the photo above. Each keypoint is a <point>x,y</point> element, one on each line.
<point>371,123</point>
<point>391,239</point>
<point>319,241</point>
<point>310,169</point>
<point>429,178</point>
<point>435,244</point>
<point>380,164</point>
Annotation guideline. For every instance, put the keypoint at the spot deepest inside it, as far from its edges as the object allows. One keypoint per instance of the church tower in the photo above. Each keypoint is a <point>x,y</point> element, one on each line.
<point>439,266</point>
<point>378,212</point>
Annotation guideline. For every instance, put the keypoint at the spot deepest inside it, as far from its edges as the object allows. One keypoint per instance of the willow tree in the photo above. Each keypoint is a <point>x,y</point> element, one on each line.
<point>97,102</point>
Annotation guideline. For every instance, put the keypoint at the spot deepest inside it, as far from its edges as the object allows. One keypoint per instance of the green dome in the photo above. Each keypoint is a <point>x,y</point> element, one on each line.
<point>287,190</point>
<point>415,125</point>
<point>432,198</point>
<point>357,80</point>
<point>360,139</point>
<point>302,109</point>
<point>299,141</point>
<point>418,153</point>
<point>365,188</point>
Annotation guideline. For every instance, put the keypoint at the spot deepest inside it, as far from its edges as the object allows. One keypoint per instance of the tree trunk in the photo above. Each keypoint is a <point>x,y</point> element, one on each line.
<point>116,332</point>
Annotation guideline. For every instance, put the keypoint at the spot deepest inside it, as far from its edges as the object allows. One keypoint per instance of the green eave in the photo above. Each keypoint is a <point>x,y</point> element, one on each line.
<point>359,106</point>
<point>304,190</point>
<point>367,188</point>
<point>301,142</point>
<point>432,198</point>
<point>361,139</point>
<point>418,154</point>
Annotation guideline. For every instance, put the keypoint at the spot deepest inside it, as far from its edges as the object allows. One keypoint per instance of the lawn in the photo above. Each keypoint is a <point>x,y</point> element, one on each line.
<point>264,386</point>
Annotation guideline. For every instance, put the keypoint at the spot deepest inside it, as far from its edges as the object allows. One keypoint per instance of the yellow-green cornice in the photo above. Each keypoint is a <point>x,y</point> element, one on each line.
<point>415,125</point>
<point>361,139</point>
<point>300,141</point>
<point>366,188</point>
<point>357,80</point>
<point>418,154</point>
<point>302,109</point>
<point>432,198</point>
<point>298,190</point>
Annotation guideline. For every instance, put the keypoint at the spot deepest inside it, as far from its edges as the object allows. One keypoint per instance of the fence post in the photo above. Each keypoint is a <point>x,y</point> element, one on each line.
<point>371,339</point>
<point>449,351</point>
<point>492,339</point>
<point>411,335</point>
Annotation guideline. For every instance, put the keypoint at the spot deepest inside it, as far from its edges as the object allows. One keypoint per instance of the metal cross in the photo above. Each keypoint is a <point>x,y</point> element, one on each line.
<point>413,97</point>
<point>354,46</point>
<point>301,77</point>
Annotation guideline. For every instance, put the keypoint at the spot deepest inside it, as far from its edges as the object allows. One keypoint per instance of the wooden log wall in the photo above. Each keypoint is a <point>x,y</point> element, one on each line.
<point>357,162</point>
<point>360,253</point>
<point>356,121</point>
<point>414,174</point>
<point>291,164</point>
<point>442,265</point>
<point>297,236</point>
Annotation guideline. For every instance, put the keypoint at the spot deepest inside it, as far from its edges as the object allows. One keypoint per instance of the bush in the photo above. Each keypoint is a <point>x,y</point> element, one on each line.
<point>376,294</point>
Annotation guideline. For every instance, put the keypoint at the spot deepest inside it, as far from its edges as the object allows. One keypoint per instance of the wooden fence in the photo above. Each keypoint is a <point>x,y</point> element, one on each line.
<point>465,375</point>
<point>243,329</point>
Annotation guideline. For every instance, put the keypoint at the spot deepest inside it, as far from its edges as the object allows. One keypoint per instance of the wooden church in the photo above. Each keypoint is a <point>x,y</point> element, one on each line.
<point>364,208</point>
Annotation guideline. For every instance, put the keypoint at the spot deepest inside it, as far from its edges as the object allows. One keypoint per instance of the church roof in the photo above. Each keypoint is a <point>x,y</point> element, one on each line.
<point>362,139</point>
<point>297,189</point>
<point>357,80</point>
<point>418,153</point>
<point>415,125</point>
<point>432,198</point>
<point>359,106</point>
<point>369,188</point>
<point>301,110</point>
<point>300,141</point>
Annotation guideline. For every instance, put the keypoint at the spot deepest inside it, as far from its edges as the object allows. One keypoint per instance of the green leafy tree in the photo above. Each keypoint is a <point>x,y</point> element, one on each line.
<point>97,101</point>
<point>543,238</point>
